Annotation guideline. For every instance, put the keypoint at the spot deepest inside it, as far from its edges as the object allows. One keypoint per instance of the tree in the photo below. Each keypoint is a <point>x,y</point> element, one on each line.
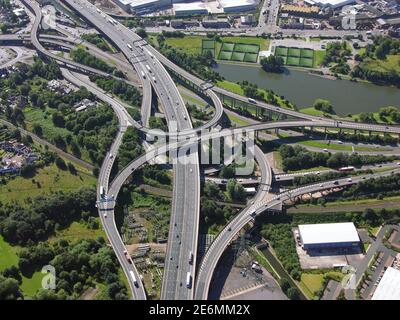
<point>58,120</point>
<point>60,163</point>
<point>284,284</point>
<point>324,106</point>
<point>37,129</point>
<point>9,289</point>
<point>141,33</point>
<point>293,293</point>
<point>272,64</point>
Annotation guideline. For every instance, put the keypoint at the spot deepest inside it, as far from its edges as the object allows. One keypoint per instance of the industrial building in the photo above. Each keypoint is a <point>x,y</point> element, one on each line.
<point>147,6</point>
<point>389,286</point>
<point>329,235</point>
<point>232,6</point>
<point>191,8</point>
<point>330,3</point>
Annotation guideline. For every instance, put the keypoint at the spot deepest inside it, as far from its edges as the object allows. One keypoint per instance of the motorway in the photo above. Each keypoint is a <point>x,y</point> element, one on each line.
<point>184,219</point>
<point>186,193</point>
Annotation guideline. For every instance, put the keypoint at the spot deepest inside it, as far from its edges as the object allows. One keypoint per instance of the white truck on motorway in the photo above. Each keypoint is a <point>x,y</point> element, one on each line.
<point>148,68</point>
<point>133,278</point>
<point>129,46</point>
<point>143,74</point>
<point>188,280</point>
<point>252,100</point>
<point>102,192</point>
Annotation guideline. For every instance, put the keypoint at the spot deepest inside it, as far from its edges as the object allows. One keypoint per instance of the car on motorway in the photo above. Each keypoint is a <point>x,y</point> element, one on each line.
<point>105,215</point>
<point>336,183</point>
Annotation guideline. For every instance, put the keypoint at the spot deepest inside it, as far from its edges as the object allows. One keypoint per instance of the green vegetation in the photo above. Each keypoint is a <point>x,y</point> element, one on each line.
<point>272,64</point>
<point>380,62</point>
<point>82,56</point>
<point>297,157</point>
<point>45,180</point>
<point>98,41</point>
<point>130,148</point>
<point>336,57</point>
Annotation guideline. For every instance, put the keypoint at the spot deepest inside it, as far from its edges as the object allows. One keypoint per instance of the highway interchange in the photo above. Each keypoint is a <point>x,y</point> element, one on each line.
<point>151,66</point>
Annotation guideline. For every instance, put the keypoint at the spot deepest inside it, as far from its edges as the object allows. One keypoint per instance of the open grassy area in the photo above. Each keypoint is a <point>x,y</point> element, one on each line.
<point>333,146</point>
<point>8,256</point>
<point>77,231</point>
<point>319,56</point>
<point>392,62</point>
<point>312,112</point>
<point>311,282</point>
<point>189,44</point>
<point>46,180</point>
<point>237,120</point>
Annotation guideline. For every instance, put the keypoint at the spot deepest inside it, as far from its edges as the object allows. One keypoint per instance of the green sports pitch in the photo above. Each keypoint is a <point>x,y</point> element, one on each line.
<point>298,57</point>
<point>241,52</point>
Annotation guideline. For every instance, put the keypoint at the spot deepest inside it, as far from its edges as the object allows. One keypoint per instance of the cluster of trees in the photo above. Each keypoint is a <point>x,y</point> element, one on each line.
<point>379,49</point>
<point>297,157</point>
<point>197,113</point>
<point>156,173</point>
<point>94,129</point>
<point>382,186</point>
<point>235,190</point>
<point>337,53</point>
<point>281,238</point>
<point>121,89</point>
<point>199,64</point>
<point>80,55</point>
<point>158,123</point>
<point>272,64</point>
<point>391,113</point>
<point>227,172</point>
<point>97,40</point>
<point>79,266</point>
<point>44,215</point>
<point>312,178</point>
<point>130,148</point>
<point>324,106</point>
<point>214,214</point>
<point>291,292</point>
<point>358,137</point>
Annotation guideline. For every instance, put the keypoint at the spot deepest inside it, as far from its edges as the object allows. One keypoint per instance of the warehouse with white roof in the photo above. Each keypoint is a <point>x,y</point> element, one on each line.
<point>330,3</point>
<point>328,235</point>
<point>389,286</point>
<point>191,8</point>
<point>230,6</point>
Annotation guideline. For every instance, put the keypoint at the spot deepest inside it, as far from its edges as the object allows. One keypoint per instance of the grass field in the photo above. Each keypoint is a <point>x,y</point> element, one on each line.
<point>46,180</point>
<point>77,231</point>
<point>312,282</point>
<point>237,120</point>
<point>392,62</point>
<point>189,44</point>
<point>250,57</point>
<point>237,56</point>
<point>225,55</point>
<point>319,56</point>
<point>239,52</point>
<point>8,256</point>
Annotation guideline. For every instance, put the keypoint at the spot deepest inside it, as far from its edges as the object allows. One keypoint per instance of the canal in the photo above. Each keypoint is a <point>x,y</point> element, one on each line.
<point>303,88</point>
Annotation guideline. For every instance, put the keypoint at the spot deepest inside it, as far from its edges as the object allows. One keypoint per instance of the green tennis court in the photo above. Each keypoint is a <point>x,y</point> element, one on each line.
<point>293,61</point>
<point>281,51</point>
<point>227,46</point>
<point>250,57</point>
<point>208,44</point>
<point>307,53</point>
<point>306,62</point>
<point>294,52</point>
<point>225,55</point>
<point>237,56</point>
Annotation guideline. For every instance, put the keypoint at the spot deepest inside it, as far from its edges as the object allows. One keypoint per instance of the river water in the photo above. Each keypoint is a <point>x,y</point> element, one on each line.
<point>302,88</point>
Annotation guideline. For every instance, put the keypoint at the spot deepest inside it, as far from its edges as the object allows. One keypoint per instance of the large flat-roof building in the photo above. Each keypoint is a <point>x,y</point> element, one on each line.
<point>389,286</point>
<point>231,6</point>
<point>328,235</point>
<point>147,6</point>
<point>191,8</point>
<point>330,3</point>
